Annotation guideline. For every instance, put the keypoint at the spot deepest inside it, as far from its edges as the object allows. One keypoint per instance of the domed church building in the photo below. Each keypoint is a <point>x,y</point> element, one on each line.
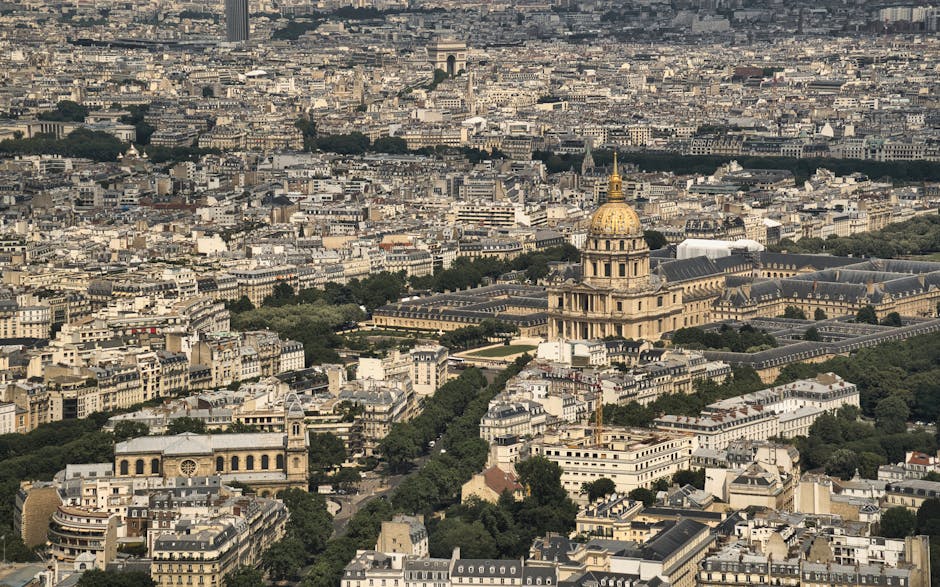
<point>617,294</point>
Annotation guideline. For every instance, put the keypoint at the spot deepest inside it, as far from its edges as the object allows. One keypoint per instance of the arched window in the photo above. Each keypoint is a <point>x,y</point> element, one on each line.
<point>295,429</point>
<point>139,467</point>
<point>249,463</point>
<point>219,464</point>
<point>124,468</point>
<point>296,463</point>
<point>154,466</point>
<point>234,465</point>
<point>279,462</point>
<point>265,462</point>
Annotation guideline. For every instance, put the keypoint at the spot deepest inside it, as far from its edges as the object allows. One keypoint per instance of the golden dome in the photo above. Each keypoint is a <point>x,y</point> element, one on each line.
<point>615,218</point>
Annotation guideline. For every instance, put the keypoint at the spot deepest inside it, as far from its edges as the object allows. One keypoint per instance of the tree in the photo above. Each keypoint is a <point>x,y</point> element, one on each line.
<point>868,463</point>
<point>794,313</point>
<point>867,315</point>
<point>186,424</point>
<point>928,517</point>
<point>66,111</point>
<point>242,304</point>
<point>284,559</point>
<point>892,319</point>
<point>897,522</point>
<point>542,478</point>
<point>399,451</point>
<point>281,294</point>
<point>97,578</point>
<point>655,239</point>
<point>310,522</point>
<point>819,314</point>
<point>812,333</point>
<point>326,452</point>
<point>392,145</point>
<point>346,478</point>
<point>239,427</point>
<point>598,489</point>
<point>208,92</point>
<point>244,577</point>
<point>842,463</point>
<point>695,478</point>
<point>892,413</point>
<point>643,494</point>
<point>126,429</point>
<point>472,538</point>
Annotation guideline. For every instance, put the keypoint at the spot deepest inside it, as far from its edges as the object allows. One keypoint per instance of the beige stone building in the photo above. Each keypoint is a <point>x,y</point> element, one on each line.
<point>266,461</point>
<point>404,535</point>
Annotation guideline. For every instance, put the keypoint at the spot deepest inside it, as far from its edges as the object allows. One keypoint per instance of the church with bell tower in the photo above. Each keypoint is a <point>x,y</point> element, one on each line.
<point>616,294</point>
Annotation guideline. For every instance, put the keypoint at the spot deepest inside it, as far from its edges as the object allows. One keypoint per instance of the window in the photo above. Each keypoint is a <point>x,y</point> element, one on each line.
<point>250,463</point>
<point>279,462</point>
<point>607,245</point>
<point>265,462</point>
<point>659,301</point>
<point>154,466</point>
<point>139,467</point>
<point>606,269</point>
<point>623,270</point>
<point>220,463</point>
<point>234,463</point>
<point>620,304</point>
<point>636,269</point>
<point>124,468</point>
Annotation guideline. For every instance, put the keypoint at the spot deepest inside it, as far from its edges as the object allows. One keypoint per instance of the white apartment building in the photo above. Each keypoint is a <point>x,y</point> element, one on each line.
<point>717,429</point>
<point>630,457</point>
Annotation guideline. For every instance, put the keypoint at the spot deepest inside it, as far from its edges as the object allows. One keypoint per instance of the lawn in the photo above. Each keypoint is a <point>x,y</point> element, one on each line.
<point>503,351</point>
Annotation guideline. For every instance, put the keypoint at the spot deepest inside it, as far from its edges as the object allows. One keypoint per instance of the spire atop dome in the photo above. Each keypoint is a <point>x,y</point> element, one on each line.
<point>615,188</point>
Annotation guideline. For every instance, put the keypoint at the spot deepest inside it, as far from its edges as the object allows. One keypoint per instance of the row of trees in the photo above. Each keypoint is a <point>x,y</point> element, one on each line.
<point>408,440</point>
<point>744,340</point>
<point>356,143</point>
<point>917,236</point>
<point>899,171</point>
<point>81,142</point>
<point>65,111</point>
<point>465,454</point>
<point>308,531</point>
